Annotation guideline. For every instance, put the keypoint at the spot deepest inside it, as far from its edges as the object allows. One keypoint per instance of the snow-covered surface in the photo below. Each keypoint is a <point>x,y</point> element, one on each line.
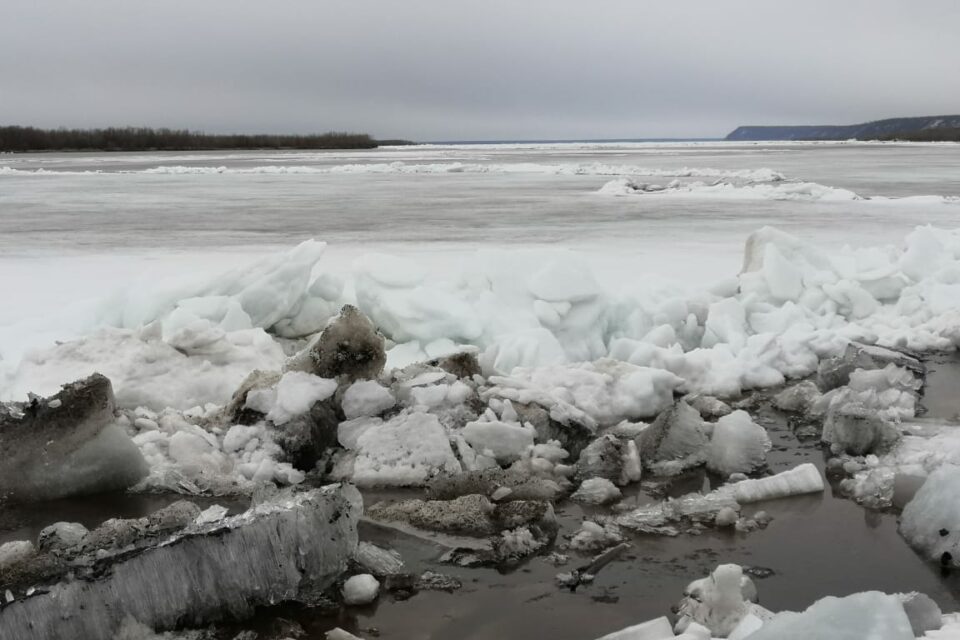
<point>871,614</point>
<point>723,605</point>
<point>804,478</point>
<point>931,520</point>
<point>294,394</point>
<point>184,456</point>
<point>647,272</point>
<point>366,398</point>
<point>598,334</point>
<point>767,190</point>
<point>360,589</point>
<point>404,451</point>
<point>795,305</point>
<point>738,445</point>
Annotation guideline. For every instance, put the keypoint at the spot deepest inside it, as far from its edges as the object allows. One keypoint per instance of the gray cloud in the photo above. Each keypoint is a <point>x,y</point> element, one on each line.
<point>459,69</point>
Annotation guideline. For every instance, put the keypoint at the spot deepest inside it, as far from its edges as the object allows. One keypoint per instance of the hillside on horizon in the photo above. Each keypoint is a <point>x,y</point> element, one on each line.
<point>921,128</point>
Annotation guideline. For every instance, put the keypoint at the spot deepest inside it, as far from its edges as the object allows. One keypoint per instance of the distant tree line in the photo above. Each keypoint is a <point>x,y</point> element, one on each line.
<point>939,134</point>
<point>146,139</point>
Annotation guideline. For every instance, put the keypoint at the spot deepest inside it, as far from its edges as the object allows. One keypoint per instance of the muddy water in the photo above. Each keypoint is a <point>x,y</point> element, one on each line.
<point>816,545</point>
<point>24,522</point>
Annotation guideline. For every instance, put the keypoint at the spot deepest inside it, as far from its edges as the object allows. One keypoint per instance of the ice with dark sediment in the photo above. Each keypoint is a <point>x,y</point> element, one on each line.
<point>67,444</point>
<point>673,516</point>
<point>287,548</point>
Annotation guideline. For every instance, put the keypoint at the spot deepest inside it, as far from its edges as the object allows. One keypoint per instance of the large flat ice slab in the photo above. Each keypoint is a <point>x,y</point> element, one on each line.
<point>284,549</point>
<point>871,614</point>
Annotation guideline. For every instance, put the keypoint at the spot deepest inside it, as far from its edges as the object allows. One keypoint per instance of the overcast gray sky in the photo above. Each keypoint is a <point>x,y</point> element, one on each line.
<point>490,69</point>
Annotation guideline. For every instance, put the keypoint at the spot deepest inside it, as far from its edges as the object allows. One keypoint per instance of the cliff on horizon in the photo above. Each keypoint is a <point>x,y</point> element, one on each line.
<point>887,129</point>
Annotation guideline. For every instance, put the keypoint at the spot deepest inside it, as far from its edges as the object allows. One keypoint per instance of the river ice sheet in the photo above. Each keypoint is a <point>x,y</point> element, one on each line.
<point>74,227</point>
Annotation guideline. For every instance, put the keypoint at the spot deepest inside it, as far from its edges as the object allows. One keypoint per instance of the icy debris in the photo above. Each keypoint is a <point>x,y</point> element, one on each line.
<point>800,191</point>
<point>349,346</point>
<point>672,516</point>
<point>366,398</point>
<point>797,398</point>
<point>895,475</point>
<point>130,629</point>
<point>594,537</point>
<point>15,553</point>
<point>259,383</point>
<point>472,515</point>
<point>146,370</point>
<point>506,442</point>
<point>515,544</point>
<point>463,364</point>
<point>930,522</point>
<point>870,614</point>
<point>804,478</point>
<point>489,482</point>
<point>856,430</point>
<point>116,534</point>
<point>295,393</point>
<point>707,406</point>
<point>723,606</point>
<point>213,513</point>
<point>726,517</point>
<point>73,448</point>
<point>360,589</point>
<point>657,629</point>
<point>407,450</point>
<point>187,458</point>
<point>572,434</point>
<point>596,491</point>
<point>604,392</point>
<point>393,292</point>
<point>270,293</point>
<point>718,602</point>
<point>60,536</point>
<point>924,614</point>
<point>377,560</point>
<point>340,634</point>
<point>302,414</point>
<point>546,461</point>
<point>836,372</point>
<point>432,581</point>
<point>675,441</point>
<point>890,392</point>
<point>738,445</point>
<point>176,515</point>
<point>201,574</point>
<point>609,458</point>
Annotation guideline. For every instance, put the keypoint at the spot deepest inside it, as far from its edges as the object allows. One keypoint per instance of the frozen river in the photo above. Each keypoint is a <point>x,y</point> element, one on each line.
<point>76,226</point>
<point>498,241</point>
